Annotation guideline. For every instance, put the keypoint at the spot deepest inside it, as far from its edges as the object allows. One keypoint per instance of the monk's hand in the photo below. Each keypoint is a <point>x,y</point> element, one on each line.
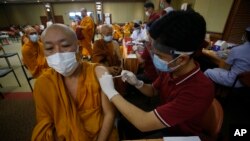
<point>131,79</point>
<point>117,70</point>
<point>107,85</point>
<point>114,70</point>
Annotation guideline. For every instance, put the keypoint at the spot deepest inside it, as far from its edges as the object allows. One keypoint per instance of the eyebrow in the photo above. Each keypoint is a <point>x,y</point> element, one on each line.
<point>50,42</point>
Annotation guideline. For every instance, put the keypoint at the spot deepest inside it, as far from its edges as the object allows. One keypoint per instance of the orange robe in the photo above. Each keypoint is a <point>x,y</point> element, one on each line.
<point>60,116</point>
<point>117,34</point>
<point>88,26</point>
<point>127,29</point>
<point>107,54</point>
<point>34,58</point>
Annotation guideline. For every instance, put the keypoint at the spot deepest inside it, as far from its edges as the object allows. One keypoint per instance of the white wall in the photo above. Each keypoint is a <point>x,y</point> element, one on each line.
<point>215,13</point>
<point>64,9</point>
<point>125,11</point>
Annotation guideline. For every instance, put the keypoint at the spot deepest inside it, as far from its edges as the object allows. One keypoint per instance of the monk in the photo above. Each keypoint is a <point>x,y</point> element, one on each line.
<point>107,51</point>
<point>117,34</point>
<point>32,52</point>
<point>88,26</point>
<point>70,105</point>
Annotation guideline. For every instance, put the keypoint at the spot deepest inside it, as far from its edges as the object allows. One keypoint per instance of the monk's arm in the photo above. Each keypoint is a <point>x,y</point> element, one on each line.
<point>44,129</point>
<point>108,121</point>
<point>88,24</point>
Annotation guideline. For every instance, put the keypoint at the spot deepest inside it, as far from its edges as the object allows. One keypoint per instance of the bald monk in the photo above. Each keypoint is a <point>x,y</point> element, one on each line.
<point>107,51</point>
<point>32,52</point>
<point>87,25</point>
<point>70,105</point>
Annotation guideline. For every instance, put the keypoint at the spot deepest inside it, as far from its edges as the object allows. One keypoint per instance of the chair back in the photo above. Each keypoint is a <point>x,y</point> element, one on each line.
<point>212,121</point>
<point>244,78</point>
<point>1,49</point>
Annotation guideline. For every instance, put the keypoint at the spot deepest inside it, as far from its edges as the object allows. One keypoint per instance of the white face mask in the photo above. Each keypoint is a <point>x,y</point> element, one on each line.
<point>63,63</point>
<point>147,14</point>
<point>107,38</point>
<point>33,38</point>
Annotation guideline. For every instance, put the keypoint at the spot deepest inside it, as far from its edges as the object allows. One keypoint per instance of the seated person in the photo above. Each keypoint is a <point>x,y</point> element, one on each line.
<point>117,34</point>
<point>69,103</point>
<point>32,52</point>
<point>107,51</point>
<point>139,33</point>
<point>185,92</point>
<point>238,61</point>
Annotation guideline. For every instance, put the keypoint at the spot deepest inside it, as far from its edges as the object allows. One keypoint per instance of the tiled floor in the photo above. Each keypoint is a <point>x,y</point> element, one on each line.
<point>8,82</point>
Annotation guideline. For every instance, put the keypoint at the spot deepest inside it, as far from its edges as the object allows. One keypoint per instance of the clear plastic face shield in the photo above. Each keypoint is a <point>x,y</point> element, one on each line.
<point>161,64</point>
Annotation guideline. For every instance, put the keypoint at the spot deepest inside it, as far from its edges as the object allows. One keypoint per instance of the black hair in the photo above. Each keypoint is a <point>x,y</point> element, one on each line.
<point>248,34</point>
<point>180,30</point>
<point>149,5</point>
<point>136,25</point>
<point>168,1</point>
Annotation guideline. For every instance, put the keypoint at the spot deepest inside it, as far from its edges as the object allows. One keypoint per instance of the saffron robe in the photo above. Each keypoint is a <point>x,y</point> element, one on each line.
<point>34,58</point>
<point>60,116</point>
<point>88,28</point>
<point>117,34</point>
<point>106,53</point>
<point>109,54</point>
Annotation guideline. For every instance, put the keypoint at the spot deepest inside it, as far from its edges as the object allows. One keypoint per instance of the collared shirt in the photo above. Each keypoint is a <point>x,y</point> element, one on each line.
<point>153,17</point>
<point>184,100</point>
<point>239,59</point>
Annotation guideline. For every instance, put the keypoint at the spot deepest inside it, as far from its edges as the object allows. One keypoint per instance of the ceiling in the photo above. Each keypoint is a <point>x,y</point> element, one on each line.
<point>55,1</point>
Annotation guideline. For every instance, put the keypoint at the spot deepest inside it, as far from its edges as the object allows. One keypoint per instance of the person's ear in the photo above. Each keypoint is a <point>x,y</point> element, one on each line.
<point>182,59</point>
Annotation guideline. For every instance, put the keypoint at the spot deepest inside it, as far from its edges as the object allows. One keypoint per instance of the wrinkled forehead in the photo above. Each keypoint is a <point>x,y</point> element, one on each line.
<point>57,34</point>
<point>106,30</point>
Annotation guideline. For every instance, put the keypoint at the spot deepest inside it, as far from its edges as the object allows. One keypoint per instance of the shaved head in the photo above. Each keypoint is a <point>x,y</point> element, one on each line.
<point>61,28</point>
<point>29,29</point>
<point>59,38</point>
<point>105,28</point>
<point>83,10</point>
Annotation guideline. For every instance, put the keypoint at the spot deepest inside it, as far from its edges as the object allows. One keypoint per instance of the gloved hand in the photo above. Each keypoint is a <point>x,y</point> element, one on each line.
<point>135,48</point>
<point>131,79</point>
<point>107,85</point>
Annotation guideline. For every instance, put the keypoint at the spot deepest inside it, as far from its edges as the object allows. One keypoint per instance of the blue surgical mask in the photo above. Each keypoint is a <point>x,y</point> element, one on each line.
<point>162,65</point>
<point>33,38</point>
<point>107,38</point>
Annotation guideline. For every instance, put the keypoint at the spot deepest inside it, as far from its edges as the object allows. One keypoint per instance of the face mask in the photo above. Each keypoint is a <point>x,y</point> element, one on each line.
<point>147,14</point>
<point>33,38</point>
<point>162,65</point>
<point>107,38</point>
<point>161,5</point>
<point>63,63</point>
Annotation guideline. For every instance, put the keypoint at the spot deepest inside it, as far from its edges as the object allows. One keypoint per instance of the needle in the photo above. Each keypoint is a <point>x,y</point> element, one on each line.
<point>117,76</point>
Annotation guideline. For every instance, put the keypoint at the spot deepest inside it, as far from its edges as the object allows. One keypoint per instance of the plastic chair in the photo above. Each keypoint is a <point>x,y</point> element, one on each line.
<point>212,121</point>
<point>4,38</point>
<point>7,55</point>
<point>5,71</point>
<point>29,78</point>
<point>244,79</point>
